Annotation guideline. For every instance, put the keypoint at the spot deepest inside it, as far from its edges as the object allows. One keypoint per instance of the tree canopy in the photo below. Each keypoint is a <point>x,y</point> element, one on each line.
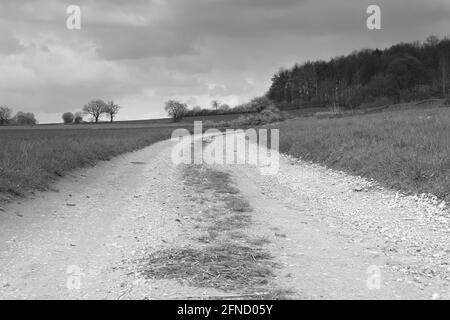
<point>401,72</point>
<point>175,109</point>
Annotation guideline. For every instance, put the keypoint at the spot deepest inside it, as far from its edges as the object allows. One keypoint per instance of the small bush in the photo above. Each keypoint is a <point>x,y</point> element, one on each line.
<point>259,104</point>
<point>176,110</point>
<point>78,117</point>
<point>68,117</point>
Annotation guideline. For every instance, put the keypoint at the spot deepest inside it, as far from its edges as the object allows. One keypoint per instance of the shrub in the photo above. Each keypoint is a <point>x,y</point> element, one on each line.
<point>259,104</point>
<point>266,116</point>
<point>22,118</point>
<point>78,117</point>
<point>224,108</point>
<point>68,117</point>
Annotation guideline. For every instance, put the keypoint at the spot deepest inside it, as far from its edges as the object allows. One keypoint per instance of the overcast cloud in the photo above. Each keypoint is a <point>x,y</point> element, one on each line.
<point>141,53</point>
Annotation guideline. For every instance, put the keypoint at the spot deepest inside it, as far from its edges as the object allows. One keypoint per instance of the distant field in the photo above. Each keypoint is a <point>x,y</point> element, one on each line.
<point>148,123</point>
<point>408,149</point>
<point>136,124</point>
<point>30,159</point>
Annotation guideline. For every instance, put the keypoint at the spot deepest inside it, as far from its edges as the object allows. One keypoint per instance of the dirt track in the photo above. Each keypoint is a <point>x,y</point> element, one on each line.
<point>331,234</point>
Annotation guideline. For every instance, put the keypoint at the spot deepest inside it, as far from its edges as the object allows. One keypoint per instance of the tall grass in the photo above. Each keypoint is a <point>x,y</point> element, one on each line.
<point>32,159</point>
<point>407,150</point>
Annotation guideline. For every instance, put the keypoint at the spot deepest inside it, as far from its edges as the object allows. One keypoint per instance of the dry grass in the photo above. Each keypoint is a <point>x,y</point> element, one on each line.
<point>259,241</point>
<point>238,204</point>
<point>226,267</point>
<point>205,179</point>
<point>407,150</point>
<point>31,159</point>
<point>228,222</point>
<point>229,261</point>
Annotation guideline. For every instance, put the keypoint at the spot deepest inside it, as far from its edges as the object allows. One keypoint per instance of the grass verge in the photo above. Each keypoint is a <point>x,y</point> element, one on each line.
<point>31,159</point>
<point>407,150</point>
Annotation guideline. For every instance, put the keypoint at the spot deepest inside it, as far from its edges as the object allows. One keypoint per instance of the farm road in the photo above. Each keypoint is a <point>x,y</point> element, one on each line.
<point>330,234</point>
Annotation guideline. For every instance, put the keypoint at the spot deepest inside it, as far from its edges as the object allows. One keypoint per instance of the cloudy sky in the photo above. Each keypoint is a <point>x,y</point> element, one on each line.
<point>141,53</point>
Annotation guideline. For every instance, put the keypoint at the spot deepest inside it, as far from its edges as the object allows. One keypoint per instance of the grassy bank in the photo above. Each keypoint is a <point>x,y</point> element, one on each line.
<point>408,150</point>
<point>31,159</point>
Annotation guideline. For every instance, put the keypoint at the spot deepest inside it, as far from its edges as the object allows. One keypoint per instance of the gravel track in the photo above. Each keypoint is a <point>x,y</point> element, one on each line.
<point>329,232</point>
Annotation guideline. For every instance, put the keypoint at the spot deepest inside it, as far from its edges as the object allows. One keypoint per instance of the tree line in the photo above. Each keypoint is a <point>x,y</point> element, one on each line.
<point>177,110</point>
<point>402,72</point>
<point>20,118</point>
<point>95,108</point>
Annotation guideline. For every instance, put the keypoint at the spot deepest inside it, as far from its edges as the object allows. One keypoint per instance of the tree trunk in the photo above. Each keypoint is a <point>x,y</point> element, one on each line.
<point>444,76</point>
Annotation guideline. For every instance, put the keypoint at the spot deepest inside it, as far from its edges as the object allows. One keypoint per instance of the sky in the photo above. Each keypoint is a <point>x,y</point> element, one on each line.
<point>141,53</point>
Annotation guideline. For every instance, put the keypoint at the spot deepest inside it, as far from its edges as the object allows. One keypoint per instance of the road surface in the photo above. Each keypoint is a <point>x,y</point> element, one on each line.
<point>330,234</point>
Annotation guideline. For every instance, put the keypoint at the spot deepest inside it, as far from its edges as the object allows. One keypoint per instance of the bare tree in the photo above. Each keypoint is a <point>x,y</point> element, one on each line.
<point>175,109</point>
<point>112,110</point>
<point>215,104</point>
<point>5,115</point>
<point>95,108</point>
<point>225,107</point>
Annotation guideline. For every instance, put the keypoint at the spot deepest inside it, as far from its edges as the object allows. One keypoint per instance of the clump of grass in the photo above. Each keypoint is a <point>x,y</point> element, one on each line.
<point>226,266</point>
<point>258,241</point>
<point>229,223</point>
<point>205,178</point>
<point>228,262</point>
<point>237,204</point>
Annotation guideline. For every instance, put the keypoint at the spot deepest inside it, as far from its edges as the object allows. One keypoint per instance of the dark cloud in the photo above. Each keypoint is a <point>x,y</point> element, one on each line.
<point>183,27</point>
<point>142,52</point>
<point>133,42</point>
